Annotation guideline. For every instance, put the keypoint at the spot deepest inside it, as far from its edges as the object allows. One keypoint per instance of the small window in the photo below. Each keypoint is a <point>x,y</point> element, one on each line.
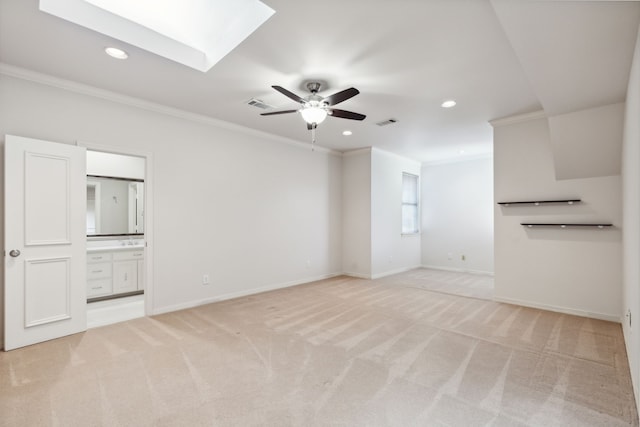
<point>410,204</point>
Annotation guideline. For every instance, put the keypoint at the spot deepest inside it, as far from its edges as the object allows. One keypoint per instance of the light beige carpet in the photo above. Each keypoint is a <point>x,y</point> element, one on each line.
<point>339,352</point>
<point>449,282</point>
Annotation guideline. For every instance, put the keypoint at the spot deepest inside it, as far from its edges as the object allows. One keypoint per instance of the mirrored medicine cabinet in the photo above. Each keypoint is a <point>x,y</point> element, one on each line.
<point>115,206</point>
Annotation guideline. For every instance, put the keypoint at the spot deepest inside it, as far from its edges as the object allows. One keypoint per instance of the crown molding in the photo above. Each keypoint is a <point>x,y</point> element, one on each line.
<point>83,89</point>
<point>482,156</point>
<point>520,118</point>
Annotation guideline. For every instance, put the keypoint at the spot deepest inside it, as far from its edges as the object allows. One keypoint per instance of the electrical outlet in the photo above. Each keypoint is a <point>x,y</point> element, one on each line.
<point>205,279</point>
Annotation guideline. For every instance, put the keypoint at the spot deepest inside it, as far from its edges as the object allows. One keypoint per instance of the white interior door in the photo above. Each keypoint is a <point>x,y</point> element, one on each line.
<point>45,241</point>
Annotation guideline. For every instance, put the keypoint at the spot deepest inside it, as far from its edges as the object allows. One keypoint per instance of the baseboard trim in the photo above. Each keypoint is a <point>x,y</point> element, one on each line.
<point>392,272</point>
<point>253,291</point>
<point>357,275</point>
<point>380,275</point>
<point>558,309</point>
<point>458,270</point>
<point>244,293</point>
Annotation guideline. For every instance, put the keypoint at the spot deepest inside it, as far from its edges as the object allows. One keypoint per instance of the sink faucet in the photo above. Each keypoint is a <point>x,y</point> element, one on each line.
<point>127,242</point>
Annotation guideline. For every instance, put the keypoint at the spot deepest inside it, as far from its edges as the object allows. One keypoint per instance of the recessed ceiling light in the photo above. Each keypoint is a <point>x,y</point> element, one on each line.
<point>116,53</point>
<point>449,103</point>
<point>347,133</point>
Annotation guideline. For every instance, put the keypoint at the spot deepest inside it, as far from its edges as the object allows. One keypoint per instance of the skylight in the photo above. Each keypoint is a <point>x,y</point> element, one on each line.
<point>195,33</point>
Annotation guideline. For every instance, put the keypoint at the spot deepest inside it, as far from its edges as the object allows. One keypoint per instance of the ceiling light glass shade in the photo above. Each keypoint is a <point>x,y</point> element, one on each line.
<point>313,115</point>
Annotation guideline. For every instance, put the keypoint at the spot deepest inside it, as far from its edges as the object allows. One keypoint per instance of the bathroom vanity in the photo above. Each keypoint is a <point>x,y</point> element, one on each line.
<point>115,236</point>
<point>114,268</point>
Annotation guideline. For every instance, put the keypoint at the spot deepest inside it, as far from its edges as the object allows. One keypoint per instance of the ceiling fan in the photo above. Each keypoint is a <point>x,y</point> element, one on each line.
<point>316,108</point>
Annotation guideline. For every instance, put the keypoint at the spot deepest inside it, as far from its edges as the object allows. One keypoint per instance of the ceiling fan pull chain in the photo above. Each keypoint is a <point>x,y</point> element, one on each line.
<point>313,138</point>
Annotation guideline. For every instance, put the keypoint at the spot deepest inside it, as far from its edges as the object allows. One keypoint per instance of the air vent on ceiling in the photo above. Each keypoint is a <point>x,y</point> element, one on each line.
<point>259,104</point>
<point>387,122</point>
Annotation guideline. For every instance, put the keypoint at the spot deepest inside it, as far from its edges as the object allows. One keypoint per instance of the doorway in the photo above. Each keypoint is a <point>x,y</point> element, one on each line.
<point>117,236</point>
<point>45,274</point>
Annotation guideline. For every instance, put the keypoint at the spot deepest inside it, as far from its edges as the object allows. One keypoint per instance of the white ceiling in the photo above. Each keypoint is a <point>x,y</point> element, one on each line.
<point>495,58</point>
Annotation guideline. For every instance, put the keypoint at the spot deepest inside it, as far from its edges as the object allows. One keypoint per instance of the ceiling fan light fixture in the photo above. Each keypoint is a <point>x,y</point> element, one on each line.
<point>313,114</point>
<point>316,108</point>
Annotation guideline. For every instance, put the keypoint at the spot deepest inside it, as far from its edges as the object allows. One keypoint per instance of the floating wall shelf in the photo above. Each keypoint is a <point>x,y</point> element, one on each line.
<point>531,225</point>
<point>541,202</point>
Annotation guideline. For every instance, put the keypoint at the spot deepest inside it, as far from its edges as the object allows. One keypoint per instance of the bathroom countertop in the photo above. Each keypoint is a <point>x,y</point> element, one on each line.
<point>115,248</point>
<point>106,245</point>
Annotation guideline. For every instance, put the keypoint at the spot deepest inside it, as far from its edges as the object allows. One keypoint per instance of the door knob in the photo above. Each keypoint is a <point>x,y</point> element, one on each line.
<point>14,253</point>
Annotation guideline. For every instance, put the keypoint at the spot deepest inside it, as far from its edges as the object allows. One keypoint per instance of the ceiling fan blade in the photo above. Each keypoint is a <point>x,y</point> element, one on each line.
<point>289,94</point>
<point>343,114</point>
<point>272,113</point>
<point>338,97</point>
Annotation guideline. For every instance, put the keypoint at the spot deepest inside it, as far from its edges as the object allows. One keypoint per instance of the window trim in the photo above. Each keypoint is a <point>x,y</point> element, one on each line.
<point>416,204</point>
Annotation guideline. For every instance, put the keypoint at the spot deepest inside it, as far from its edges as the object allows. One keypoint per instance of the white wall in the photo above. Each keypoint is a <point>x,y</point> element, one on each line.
<point>457,215</point>
<point>584,132</point>
<point>570,270</point>
<point>245,208</point>
<point>356,219</point>
<point>391,252</point>
<point>373,245</point>
<point>631,219</point>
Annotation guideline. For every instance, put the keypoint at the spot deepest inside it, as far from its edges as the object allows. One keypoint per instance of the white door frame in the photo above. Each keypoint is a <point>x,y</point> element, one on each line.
<point>148,212</point>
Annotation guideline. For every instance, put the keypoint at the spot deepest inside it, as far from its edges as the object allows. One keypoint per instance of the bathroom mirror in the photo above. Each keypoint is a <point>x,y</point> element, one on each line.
<point>115,206</point>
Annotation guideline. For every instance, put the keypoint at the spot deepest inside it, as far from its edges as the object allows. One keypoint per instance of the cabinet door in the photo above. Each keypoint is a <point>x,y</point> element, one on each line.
<point>125,276</point>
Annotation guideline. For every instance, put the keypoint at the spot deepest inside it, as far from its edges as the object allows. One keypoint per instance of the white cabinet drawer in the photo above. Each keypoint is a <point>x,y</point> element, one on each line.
<point>127,255</point>
<point>99,270</point>
<point>96,288</point>
<point>99,257</point>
